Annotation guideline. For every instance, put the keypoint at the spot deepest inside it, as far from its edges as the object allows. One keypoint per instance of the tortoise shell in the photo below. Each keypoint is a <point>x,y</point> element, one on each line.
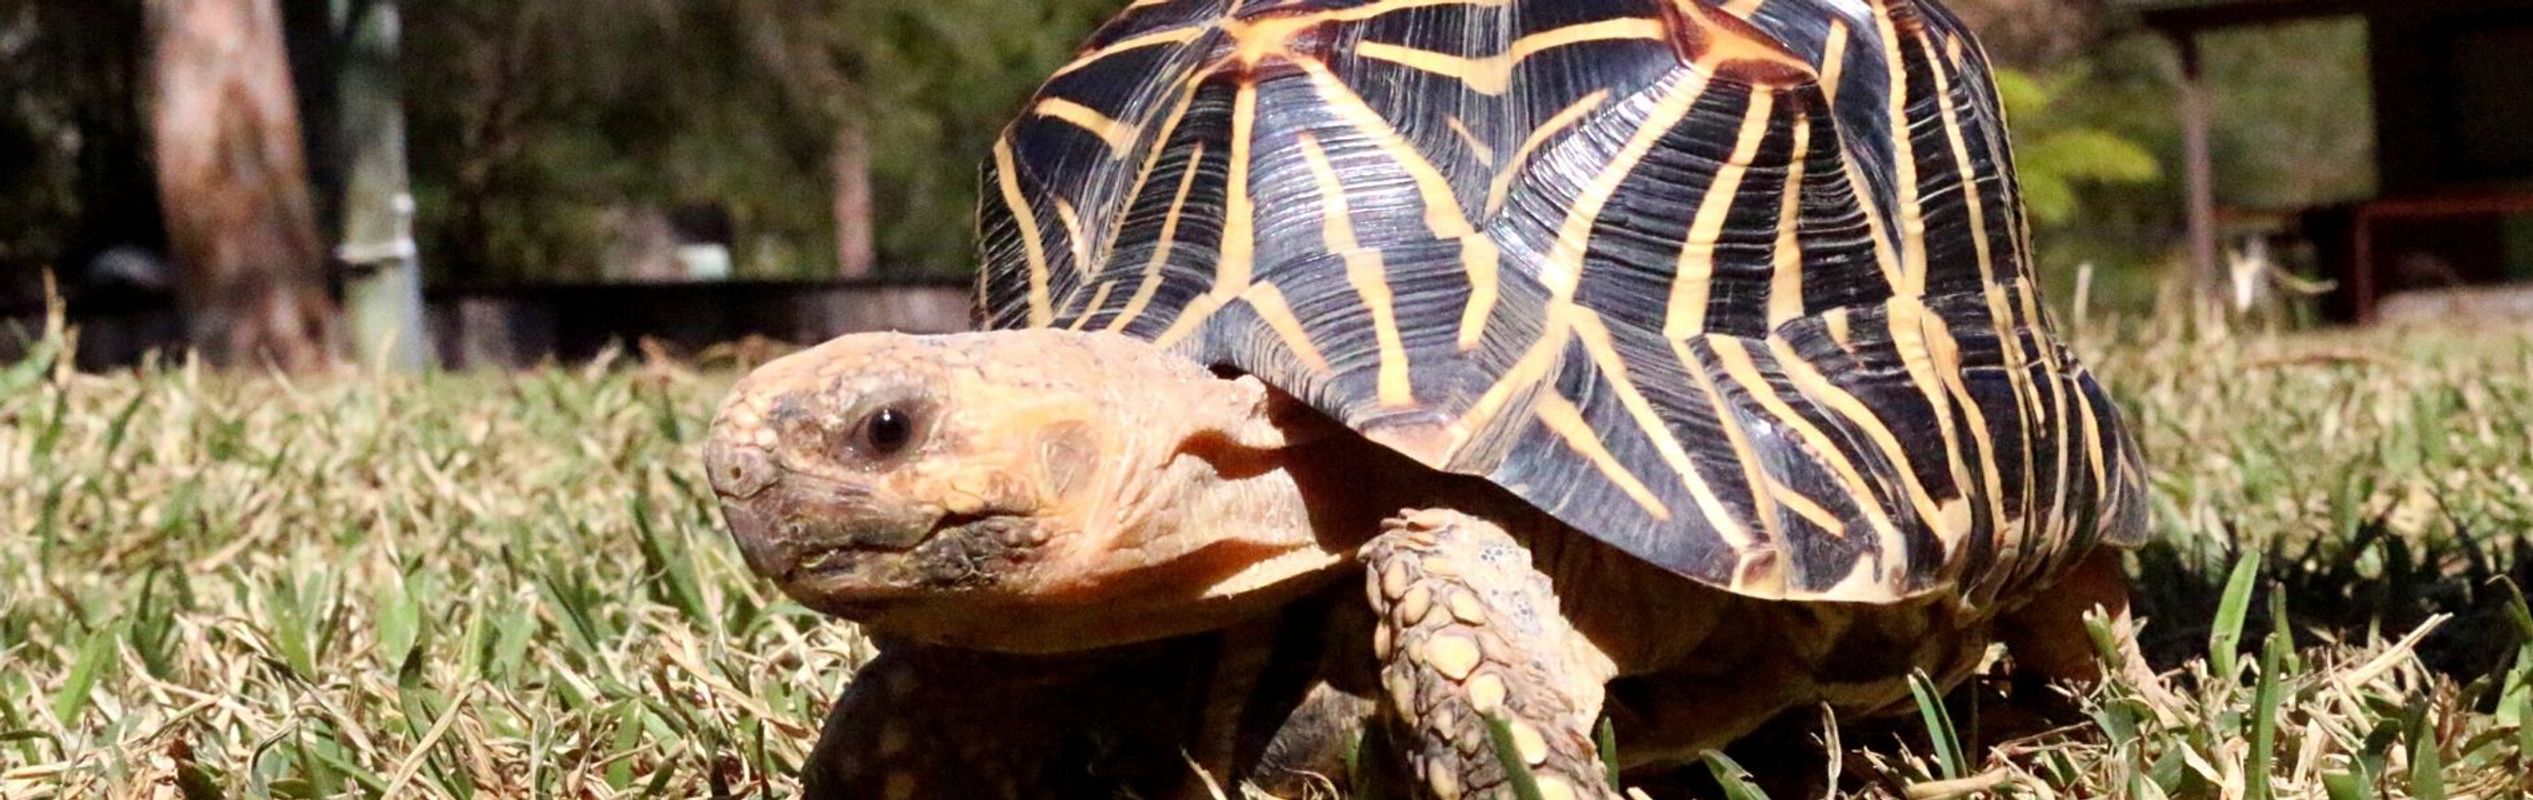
<point>1742,288</point>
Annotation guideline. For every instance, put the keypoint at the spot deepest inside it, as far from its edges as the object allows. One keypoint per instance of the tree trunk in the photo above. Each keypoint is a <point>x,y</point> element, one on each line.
<point>382,284</point>
<point>2207,265</point>
<point>232,178</point>
<point>854,251</point>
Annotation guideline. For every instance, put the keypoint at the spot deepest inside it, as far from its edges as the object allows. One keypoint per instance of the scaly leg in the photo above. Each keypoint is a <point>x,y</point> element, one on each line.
<point>923,722</point>
<point>1470,631</point>
<point>2048,636</point>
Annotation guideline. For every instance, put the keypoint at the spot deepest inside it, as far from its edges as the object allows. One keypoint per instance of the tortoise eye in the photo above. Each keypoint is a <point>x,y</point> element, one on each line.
<point>885,432</point>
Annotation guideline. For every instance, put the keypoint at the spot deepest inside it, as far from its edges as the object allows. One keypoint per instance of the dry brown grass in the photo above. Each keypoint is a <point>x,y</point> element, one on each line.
<point>514,586</point>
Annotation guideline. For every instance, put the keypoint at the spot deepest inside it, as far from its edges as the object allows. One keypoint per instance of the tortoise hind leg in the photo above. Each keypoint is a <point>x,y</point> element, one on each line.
<point>2048,636</point>
<point>1470,631</point>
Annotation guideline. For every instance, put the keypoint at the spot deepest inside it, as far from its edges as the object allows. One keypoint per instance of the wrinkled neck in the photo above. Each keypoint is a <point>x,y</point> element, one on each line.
<point>1245,507</point>
<point>1199,509</point>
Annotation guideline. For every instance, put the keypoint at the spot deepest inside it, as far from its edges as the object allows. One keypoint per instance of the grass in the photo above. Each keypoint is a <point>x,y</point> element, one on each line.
<point>464,586</point>
<point>514,586</point>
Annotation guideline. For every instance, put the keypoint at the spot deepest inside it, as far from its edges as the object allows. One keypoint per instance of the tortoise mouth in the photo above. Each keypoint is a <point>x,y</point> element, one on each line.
<point>796,524</point>
<point>949,553</point>
<point>841,553</point>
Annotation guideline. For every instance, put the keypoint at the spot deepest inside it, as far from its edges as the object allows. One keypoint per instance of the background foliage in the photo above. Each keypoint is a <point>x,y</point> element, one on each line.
<point>559,112</point>
<point>540,127</point>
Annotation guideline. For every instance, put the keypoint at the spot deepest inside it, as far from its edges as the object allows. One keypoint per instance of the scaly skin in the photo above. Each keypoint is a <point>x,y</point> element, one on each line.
<point>927,721</point>
<point>1047,492</point>
<point>1055,492</point>
<point>1277,705</point>
<point>1469,631</point>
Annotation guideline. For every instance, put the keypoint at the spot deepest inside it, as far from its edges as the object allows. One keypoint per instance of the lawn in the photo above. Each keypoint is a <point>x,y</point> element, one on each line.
<point>514,586</point>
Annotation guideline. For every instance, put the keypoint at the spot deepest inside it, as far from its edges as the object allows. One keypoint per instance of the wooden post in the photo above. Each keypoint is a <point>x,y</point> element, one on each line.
<point>233,179</point>
<point>2207,268</point>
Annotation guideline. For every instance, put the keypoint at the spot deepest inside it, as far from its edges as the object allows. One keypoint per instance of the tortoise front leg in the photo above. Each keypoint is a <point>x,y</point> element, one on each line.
<point>924,721</point>
<point>1470,631</point>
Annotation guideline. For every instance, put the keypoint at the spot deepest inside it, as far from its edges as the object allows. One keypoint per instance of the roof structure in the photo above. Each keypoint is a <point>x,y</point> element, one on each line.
<point>2194,15</point>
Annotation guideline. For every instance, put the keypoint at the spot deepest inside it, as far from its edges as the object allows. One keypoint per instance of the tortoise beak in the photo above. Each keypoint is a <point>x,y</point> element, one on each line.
<point>788,525</point>
<point>739,475</point>
<point>796,525</point>
<point>764,552</point>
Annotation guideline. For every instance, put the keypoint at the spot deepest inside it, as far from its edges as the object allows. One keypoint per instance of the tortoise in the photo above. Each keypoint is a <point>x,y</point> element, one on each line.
<point>1679,362</point>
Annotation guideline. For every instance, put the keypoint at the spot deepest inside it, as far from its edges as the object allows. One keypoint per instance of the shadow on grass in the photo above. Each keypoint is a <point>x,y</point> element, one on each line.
<point>2374,586</point>
<point>2377,583</point>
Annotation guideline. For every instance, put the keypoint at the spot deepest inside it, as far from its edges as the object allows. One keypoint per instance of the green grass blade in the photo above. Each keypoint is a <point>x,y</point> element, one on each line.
<point>152,627</point>
<point>628,736</point>
<point>122,423</point>
<point>1735,780</point>
<point>2519,702</point>
<point>72,699</point>
<point>2427,757</point>
<point>1525,784</point>
<point>1939,726</point>
<point>2225,635</point>
<point>1363,782</point>
<point>37,363</point>
<point>673,572</point>
<point>2106,642</point>
<point>2265,702</point>
<point>14,730</point>
<point>2515,696</point>
<point>2346,786</point>
<point>1605,738</point>
<point>398,617</point>
<point>49,437</point>
<point>338,765</point>
<point>290,628</point>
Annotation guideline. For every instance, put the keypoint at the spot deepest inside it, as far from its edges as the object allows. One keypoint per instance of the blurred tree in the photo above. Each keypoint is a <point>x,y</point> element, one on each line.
<point>74,183</point>
<point>2055,154</point>
<point>856,248</point>
<point>2294,111</point>
<point>2292,129</point>
<point>814,126</point>
<point>805,134</point>
<point>930,82</point>
<point>2034,34</point>
<point>382,282</point>
<point>233,184</point>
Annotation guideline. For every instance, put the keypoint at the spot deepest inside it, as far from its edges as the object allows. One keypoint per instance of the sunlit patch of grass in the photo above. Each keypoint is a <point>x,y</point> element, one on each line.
<point>514,586</point>
<point>453,586</point>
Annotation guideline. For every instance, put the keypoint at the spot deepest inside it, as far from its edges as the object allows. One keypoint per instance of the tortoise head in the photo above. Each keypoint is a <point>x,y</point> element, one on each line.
<point>1015,490</point>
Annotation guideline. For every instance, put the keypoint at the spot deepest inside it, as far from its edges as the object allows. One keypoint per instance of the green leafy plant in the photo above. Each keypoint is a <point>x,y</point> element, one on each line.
<point>2056,157</point>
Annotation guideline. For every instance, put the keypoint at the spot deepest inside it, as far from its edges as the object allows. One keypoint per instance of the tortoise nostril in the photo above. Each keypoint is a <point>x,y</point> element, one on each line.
<point>739,471</point>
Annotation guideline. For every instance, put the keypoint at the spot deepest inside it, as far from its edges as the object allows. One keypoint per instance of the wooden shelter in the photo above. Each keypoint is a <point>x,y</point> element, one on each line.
<point>2453,120</point>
